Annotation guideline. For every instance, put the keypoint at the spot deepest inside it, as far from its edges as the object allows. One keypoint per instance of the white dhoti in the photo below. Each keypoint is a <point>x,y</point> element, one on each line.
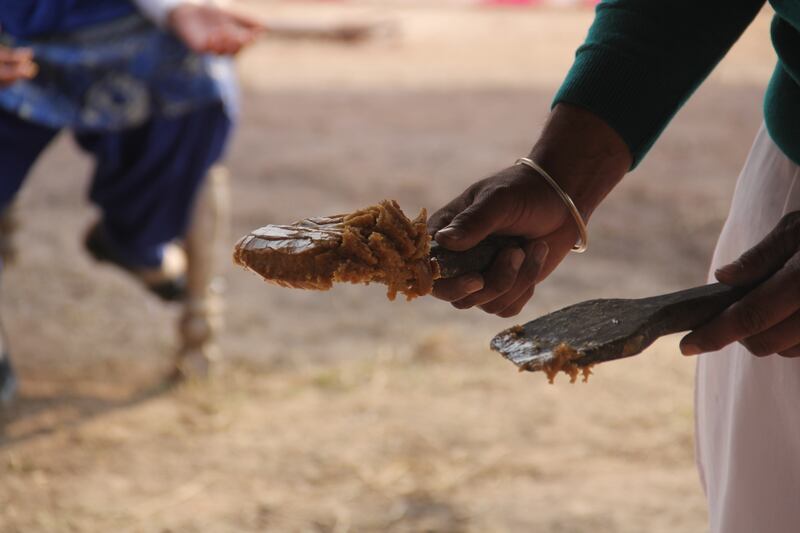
<point>748,408</point>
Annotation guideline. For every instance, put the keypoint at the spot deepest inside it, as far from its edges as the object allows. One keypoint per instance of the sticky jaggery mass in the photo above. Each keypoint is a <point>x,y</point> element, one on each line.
<point>563,360</point>
<point>302,255</point>
<point>376,244</point>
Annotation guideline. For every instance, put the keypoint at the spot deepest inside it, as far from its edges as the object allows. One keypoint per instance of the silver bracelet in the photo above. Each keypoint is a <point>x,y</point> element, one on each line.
<point>583,234</point>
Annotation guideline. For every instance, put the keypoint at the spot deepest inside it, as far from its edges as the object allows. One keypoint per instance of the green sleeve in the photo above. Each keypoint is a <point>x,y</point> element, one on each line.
<point>642,59</point>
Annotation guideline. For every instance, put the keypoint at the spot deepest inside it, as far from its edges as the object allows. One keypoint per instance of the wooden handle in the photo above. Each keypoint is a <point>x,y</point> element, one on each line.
<point>691,308</point>
<point>477,259</point>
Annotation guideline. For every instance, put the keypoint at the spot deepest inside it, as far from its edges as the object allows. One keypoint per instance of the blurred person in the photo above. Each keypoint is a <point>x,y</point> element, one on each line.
<point>147,92</point>
<point>640,62</point>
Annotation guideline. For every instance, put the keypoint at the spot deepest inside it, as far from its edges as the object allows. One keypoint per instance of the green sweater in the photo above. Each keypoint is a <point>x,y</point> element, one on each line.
<point>643,58</point>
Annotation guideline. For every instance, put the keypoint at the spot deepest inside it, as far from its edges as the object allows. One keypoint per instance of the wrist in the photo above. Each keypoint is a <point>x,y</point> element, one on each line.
<point>583,154</point>
<point>566,202</point>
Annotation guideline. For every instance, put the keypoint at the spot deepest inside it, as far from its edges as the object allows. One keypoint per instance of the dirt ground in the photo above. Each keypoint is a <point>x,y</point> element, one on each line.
<point>341,411</point>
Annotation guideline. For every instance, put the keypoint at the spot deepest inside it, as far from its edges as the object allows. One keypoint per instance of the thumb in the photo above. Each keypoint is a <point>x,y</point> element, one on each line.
<point>757,263</point>
<point>479,220</point>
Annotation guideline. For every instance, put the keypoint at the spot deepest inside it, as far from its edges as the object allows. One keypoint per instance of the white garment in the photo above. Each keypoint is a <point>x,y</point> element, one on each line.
<point>748,408</point>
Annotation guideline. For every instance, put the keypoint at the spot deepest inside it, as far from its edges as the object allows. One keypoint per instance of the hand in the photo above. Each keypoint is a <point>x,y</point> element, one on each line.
<point>585,155</point>
<point>515,201</point>
<point>211,30</point>
<point>766,320</point>
<point>16,64</point>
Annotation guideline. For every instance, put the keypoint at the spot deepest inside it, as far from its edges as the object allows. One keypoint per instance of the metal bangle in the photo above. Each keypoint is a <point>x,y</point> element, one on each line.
<point>583,234</point>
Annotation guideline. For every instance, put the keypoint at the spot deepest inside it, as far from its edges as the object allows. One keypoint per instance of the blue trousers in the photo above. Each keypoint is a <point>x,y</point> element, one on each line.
<point>145,178</point>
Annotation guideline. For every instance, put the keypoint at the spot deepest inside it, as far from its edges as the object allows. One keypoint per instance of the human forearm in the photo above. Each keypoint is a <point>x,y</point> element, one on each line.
<point>583,154</point>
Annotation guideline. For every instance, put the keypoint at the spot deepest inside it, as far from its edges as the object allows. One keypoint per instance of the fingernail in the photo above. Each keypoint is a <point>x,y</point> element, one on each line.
<point>517,258</point>
<point>454,234</point>
<point>730,269</point>
<point>722,270</point>
<point>474,283</point>
<point>540,250</point>
<point>690,349</point>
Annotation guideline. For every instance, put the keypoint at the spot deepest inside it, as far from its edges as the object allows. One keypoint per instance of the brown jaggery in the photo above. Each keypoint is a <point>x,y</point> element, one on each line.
<point>377,244</point>
<point>563,360</point>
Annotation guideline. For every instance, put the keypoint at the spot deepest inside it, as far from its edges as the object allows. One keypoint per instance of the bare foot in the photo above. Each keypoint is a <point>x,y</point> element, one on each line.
<point>211,30</point>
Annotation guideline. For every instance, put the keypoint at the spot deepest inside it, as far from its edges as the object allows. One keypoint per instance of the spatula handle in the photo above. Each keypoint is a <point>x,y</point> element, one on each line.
<point>691,308</point>
<point>476,259</point>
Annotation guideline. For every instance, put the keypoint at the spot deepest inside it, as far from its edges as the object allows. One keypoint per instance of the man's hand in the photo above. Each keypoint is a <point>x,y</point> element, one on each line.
<point>16,64</point>
<point>211,30</point>
<point>515,201</point>
<point>585,156</point>
<point>766,320</point>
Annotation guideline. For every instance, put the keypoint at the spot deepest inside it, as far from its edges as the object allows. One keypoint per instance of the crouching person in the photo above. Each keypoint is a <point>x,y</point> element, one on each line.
<point>145,88</point>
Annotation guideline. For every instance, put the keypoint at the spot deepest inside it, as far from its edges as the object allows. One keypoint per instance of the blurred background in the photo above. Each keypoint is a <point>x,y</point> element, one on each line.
<point>341,411</point>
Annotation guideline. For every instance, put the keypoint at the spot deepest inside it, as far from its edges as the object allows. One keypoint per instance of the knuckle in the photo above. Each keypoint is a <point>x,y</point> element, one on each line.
<point>465,287</point>
<point>516,306</point>
<point>467,301</point>
<point>486,295</point>
<point>513,270</point>
<point>493,307</point>
<point>790,353</point>
<point>459,304</point>
<point>481,297</point>
<point>439,295</point>
<point>504,284</point>
<point>792,268</point>
<point>509,312</point>
<point>749,319</point>
<point>527,274</point>
<point>501,191</point>
<point>710,344</point>
<point>758,346</point>
<point>437,220</point>
<point>753,258</point>
<point>450,296</point>
<point>790,222</point>
<point>444,292</point>
<point>501,282</point>
<point>788,234</point>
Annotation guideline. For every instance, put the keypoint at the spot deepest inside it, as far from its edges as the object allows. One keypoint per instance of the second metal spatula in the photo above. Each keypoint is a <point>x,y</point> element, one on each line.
<point>595,331</point>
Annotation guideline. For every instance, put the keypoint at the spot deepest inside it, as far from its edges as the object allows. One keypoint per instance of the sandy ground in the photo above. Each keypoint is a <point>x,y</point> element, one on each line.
<point>341,411</point>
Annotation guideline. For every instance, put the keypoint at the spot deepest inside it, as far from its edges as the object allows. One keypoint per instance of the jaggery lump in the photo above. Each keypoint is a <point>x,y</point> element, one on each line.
<point>376,244</point>
<point>564,357</point>
<point>302,255</point>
